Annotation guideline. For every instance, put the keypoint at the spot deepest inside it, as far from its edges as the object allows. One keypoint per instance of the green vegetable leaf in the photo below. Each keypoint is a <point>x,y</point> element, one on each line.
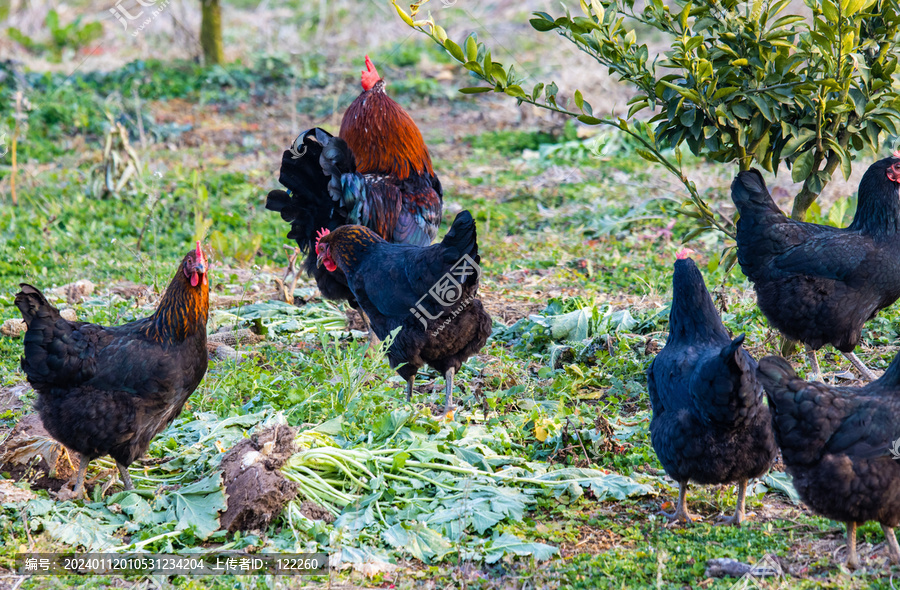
<point>197,506</point>
<point>507,544</point>
<point>418,540</point>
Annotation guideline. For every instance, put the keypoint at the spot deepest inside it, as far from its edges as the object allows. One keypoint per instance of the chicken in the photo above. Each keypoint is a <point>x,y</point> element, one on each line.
<point>428,292</point>
<point>841,445</point>
<point>110,390</point>
<point>378,173</point>
<point>819,284</point>
<point>709,422</point>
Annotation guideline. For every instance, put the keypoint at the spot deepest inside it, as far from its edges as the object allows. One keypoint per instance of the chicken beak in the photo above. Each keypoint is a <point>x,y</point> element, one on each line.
<point>320,261</point>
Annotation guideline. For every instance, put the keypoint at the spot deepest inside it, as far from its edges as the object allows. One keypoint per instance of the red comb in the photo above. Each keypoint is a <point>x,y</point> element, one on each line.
<point>370,75</point>
<point>684,253</point>
<point>896,154</point>
<point>319,235</point>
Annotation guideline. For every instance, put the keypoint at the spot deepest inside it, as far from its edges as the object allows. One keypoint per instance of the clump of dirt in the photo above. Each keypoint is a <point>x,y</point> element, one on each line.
<point>592,540</point>
<point>257,491</point>
<point>313,511</point>
<point>30,453</point>
<point>10,494</point>
<point>13,327</point>
<point>77,292</point>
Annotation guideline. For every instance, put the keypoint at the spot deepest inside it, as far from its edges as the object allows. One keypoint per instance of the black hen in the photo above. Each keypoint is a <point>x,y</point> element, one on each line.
<point>110,390</point>
<point>841,445</point>
<point>709,423</point>
<point>427,292</point>
<point>820,284</point>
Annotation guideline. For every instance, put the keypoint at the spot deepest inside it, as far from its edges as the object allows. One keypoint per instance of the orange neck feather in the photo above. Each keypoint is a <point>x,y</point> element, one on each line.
<point>348,242</point>
<point>183,310</point>
<point>383,137</point>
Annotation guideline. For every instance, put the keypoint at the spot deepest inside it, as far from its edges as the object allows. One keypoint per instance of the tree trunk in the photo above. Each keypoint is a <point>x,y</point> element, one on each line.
<point>807,197</point>
<point>211,32</point>
<point>802,202</point>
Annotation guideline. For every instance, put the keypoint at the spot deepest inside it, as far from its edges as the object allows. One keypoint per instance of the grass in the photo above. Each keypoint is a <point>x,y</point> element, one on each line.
<point>566,226</point>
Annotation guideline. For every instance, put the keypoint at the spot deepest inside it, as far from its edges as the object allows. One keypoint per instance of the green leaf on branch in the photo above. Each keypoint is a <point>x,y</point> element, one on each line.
<point>802,166</point>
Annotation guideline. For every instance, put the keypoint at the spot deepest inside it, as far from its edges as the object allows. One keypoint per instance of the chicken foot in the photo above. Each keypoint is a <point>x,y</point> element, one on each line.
<point>126,477</point>
<point>867,374</point>
<point>681,513</point>
<point>852,556</point>
<point>77,492</point>
<point>448,388</point>
<point>738,517</point>
<point>816,374</point>
<point>893,548</point>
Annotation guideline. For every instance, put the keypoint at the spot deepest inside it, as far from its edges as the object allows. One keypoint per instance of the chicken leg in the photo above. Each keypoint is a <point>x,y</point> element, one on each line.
<point>126,477</point>
<point>813,365</point>
<point>738,517</point>
<point>852,556</point>
<point>448,389</point>
<point>78,489</point>
<point>409,387</point>
<point>867,373</point>
<point>893,548</point>
<point>681,513</point>
<point>373,338</point>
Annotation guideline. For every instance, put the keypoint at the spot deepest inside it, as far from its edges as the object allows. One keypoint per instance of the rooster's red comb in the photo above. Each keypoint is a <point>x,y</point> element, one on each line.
<point>896,154</point>
<point>321,234</point>
<point>684,253</point>
<point>370,75</point>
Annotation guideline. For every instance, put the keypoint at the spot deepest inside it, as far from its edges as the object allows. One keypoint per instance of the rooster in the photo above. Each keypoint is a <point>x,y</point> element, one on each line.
<point>819,284</point>
<point>429,293</point>
<point>377,173</point>
<point>709,423</point>
<point>110,390</point>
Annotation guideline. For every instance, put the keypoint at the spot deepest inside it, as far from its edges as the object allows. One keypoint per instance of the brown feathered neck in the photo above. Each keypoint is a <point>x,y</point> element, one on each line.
<point>183,310</point>
<point>383,137</point>
<point>347,244</point>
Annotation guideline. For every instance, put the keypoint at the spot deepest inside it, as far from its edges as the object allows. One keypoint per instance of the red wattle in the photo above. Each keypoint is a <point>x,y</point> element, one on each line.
<point>195,279</point>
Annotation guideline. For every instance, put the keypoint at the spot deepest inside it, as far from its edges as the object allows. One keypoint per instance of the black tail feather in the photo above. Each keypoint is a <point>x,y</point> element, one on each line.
<point>307,206</point>
<point>336,160</point>
<point>462,238</point>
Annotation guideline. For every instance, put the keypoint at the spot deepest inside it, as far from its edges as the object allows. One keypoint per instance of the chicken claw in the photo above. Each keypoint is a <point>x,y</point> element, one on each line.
<point>681,514</point>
